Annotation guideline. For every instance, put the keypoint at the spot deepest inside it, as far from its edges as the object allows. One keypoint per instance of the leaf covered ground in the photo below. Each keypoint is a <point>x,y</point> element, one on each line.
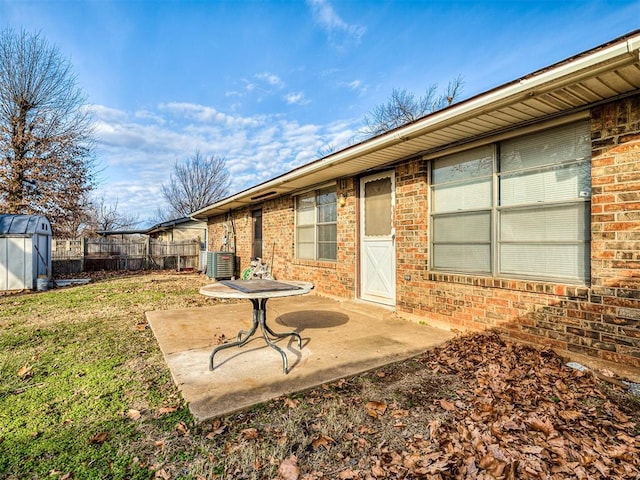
<point>85,393</point>
<point>476,408</point>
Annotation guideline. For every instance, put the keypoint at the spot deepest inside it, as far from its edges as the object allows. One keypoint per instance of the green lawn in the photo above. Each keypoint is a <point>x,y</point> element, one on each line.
<point>73,362</point>
<point>86,394</point>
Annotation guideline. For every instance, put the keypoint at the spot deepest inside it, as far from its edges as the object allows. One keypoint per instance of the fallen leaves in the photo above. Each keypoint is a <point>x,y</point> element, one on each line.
<point>322,440</point>
<point>476,408</point>
<point>182,429</point>
<point>288,469</point>
<point>376,409</point>
<point>447,405</point>
<point>134,414</point>
<point>166,410</point>
<point>99,438</point>
<point>290,402</point>
<point>25,371</point>
<point>249,433</point>
<point>217,428</point>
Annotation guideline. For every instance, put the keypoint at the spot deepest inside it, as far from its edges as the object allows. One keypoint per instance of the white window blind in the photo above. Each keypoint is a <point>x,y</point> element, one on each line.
<point>534,192</point>
<point>316,232</point>
<point>461,202</point>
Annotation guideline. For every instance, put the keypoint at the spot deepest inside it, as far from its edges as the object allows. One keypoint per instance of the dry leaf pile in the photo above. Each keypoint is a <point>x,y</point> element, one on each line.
<point>513,412</point>
<point>476,408</point>
<point>521,413</point>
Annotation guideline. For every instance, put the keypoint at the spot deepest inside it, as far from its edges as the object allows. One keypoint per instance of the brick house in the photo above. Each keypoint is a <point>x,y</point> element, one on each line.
<point>516,210</point>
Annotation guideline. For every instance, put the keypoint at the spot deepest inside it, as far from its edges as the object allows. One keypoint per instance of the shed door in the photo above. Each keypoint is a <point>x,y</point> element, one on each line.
<point>377,238</point>
<point>15,263</point>
<point>42,253</point>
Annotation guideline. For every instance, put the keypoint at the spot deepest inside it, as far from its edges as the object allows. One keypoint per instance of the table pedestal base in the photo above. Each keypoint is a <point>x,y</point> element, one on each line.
<point>259,320</point>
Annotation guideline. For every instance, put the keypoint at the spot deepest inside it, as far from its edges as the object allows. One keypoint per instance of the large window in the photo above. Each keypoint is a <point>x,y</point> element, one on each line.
<point>316,216</point>
<point>519,208</point>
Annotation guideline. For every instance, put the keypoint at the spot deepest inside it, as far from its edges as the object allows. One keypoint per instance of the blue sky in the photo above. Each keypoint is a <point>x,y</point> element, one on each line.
<point>268,84</point>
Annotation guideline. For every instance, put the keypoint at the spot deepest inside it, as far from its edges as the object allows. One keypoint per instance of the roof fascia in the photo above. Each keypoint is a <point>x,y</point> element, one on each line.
<point>622,51</point>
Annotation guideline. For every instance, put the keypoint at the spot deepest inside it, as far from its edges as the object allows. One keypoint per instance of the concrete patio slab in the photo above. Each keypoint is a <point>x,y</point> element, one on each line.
<point>339,338</point>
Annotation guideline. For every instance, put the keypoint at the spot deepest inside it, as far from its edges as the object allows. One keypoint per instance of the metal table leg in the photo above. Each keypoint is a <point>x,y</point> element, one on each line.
<point>266,331</point>
<point>240,341</point>
<point>259,319</point>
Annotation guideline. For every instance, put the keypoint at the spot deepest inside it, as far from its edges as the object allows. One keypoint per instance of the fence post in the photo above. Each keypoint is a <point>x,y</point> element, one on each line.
<point>83,250</point>
<point>147,260</point>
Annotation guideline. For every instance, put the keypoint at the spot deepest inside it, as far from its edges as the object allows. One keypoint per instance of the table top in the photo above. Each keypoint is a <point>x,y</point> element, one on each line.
<point>220,290</point>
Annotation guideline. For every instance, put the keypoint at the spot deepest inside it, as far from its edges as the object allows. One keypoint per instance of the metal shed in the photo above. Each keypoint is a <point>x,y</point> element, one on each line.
<point>25,251</point>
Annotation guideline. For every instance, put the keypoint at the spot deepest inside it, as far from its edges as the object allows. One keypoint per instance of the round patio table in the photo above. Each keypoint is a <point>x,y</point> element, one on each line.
<point>258,292</point>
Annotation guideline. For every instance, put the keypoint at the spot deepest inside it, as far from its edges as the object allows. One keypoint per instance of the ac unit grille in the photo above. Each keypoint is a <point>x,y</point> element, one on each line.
<point>221,265</point>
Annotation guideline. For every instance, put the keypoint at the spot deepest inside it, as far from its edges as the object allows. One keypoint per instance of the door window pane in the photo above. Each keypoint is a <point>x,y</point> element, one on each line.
<point>377,209</point>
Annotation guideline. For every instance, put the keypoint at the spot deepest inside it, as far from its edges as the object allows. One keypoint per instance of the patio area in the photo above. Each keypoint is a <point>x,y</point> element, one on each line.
<point>339,338</point>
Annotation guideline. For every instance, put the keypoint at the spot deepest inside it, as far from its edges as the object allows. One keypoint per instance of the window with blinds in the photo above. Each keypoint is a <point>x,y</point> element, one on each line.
<point>316,232</point>
<point>519,208</point>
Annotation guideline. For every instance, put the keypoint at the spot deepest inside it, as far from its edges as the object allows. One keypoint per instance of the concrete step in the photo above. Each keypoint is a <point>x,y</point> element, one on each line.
<point>368,309</point>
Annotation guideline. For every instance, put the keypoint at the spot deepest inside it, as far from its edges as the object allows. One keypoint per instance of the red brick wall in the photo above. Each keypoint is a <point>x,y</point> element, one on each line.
<point>615,230</point>
<point>412,233</point>
<point>601,320</point>
<point>278,243</point>
<point>333,278</point>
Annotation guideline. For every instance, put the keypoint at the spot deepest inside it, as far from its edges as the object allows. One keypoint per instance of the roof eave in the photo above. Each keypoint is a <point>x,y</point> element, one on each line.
<point>607,57</point>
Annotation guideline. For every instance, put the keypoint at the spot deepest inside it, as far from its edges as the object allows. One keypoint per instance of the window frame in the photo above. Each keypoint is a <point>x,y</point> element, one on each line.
<point>317,224</point>
<point>497,244</point>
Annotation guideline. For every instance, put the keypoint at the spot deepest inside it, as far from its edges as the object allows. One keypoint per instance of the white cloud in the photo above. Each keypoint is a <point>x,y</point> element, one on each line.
<point>107,113</point>
<point>139,154</point>
<point>206,114</point>
<point>339,31</point>
<point>295,98</point>
<point>147,115</point>
<point>355,85</point>
<point>271,79</point>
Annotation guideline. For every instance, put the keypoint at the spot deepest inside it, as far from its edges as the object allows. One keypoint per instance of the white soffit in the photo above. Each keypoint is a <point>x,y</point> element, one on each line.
<point>609,71</point>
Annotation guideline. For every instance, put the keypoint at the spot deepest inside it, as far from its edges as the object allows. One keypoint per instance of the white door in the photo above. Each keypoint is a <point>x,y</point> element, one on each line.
<point>377,239</point>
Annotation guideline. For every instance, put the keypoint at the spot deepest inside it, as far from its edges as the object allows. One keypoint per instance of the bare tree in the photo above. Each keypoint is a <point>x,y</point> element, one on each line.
<point>196,183</point>
<point>46,162</point>
<point>105,217</point>
<point>404,107</point>
<point>78,224</point>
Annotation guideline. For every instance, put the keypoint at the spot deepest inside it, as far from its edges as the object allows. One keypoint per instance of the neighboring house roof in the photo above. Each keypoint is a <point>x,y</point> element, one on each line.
<point>107,233</point>
<point>157,228</point>
<point>24,225</point>
<point>170,224</point>
<point>609,71</point>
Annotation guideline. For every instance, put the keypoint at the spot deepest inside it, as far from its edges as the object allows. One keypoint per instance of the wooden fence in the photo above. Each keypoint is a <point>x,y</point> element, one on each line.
<point>95,254</point>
